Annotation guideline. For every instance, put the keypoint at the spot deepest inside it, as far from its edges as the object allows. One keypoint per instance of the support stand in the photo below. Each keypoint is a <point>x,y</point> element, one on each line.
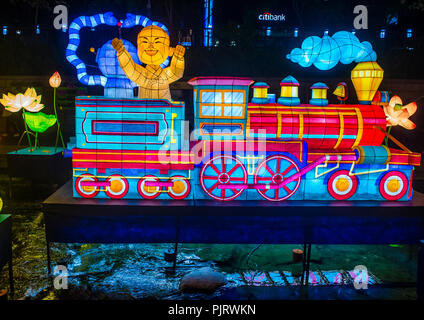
<point>70,220</point>
<point>304,281</point>
<point>177,237</point>
<point>11,282</point>
<point>10,187</point>
<point>6,248</point>
<point>173,256</point>
<point>49,261</point>
<point>420,271</point>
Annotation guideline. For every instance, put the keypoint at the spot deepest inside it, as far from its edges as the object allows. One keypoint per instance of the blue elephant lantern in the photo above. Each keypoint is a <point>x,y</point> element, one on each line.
<point>117,84</point>
<point>113,78</point>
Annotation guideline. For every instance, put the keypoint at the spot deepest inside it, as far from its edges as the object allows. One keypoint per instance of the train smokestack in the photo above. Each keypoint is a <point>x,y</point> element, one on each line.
<point>366,78</point>
<point>260,93</point>
<point>289,92</point>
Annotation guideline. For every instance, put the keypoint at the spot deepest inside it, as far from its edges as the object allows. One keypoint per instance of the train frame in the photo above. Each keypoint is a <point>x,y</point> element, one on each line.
<point>140,149</point>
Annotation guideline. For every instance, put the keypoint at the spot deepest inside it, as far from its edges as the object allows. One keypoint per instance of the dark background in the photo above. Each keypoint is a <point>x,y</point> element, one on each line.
<point>235,21</point>
<point>30,59</point>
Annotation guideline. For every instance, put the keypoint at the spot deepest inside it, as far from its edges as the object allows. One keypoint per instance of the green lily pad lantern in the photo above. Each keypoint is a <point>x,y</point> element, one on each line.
<point>39,122</point>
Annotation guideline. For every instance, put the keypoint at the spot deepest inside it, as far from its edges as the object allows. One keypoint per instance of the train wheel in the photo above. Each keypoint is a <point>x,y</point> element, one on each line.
<point>118,187</point>
<point>273,170</point>
<point>393,185</point>
<point>181,188</point>
<point>342,186</point>
<point>148,192</point>
<point>86,191</point>
<point>222,169</point>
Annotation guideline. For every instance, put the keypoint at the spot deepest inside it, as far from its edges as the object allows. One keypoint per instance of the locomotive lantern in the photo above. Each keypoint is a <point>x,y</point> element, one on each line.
<point>259,150</point>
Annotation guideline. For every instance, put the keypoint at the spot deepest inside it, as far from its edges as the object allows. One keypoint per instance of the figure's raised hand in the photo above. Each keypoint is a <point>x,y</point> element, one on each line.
<point>117,45</point>
<point>179,51</point>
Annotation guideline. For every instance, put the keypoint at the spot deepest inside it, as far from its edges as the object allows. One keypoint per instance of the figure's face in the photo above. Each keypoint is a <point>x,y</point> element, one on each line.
<point>153,45</point>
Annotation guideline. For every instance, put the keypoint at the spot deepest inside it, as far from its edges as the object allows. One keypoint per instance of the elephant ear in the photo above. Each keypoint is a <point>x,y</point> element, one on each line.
<point>39,122</point>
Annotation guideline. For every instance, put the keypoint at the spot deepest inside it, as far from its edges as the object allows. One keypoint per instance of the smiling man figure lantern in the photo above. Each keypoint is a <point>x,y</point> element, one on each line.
<point>153,50</point>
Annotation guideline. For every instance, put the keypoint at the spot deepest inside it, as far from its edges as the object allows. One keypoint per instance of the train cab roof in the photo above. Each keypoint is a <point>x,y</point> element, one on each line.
<point>220,81</point>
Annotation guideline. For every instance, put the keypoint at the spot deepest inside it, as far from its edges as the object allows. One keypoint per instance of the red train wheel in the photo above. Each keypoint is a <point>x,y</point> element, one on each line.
<point>87,192</point>
<point>342,186</point>
<point>273,170</point>
<point>222,169</point>
<point>393,185</point>
<point>148,192</point>
<point>118,187</point>
<point>181,188</point>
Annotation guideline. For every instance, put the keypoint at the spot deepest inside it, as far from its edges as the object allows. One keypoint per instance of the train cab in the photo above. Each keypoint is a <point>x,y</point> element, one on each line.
<point>220,106</point>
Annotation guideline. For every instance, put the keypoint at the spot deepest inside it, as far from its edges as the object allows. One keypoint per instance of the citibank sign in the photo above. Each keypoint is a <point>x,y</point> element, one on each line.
<point>272,17</point>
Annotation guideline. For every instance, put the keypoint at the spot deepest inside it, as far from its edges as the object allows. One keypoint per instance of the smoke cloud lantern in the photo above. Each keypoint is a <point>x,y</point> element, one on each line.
<point>326,52</point>
<point>345,48</point>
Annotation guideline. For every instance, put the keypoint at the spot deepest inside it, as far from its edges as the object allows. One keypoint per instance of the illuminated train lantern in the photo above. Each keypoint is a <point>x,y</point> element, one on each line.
<point>138,148</point>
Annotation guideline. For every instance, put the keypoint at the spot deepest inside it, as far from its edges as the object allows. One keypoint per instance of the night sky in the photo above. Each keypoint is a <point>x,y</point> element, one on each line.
<point>234,21</point>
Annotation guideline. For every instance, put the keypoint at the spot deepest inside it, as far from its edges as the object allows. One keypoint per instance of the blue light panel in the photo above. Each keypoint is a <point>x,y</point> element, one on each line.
<point>208,27</point>
<point>268,31</point>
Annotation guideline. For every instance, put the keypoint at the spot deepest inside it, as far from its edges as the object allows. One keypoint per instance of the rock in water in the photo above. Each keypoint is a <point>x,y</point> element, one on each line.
<point>204,279</point>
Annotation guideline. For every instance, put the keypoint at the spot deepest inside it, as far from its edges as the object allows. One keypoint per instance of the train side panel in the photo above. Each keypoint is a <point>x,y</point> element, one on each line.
<point>122,145</point>
<point>130,124</point>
